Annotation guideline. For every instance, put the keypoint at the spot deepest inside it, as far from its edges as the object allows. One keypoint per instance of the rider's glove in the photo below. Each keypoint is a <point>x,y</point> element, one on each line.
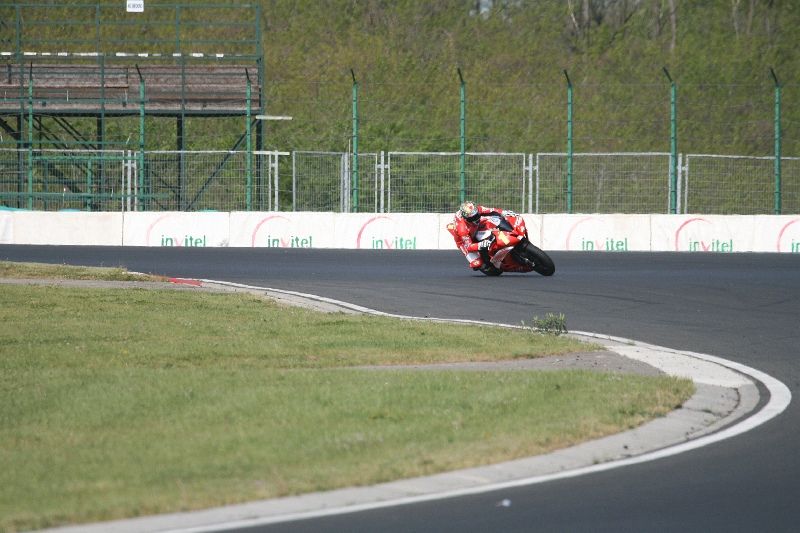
<point>486,243</point>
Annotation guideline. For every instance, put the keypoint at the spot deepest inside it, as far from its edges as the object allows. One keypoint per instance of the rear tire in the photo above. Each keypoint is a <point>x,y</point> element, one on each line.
<point>541,262</point>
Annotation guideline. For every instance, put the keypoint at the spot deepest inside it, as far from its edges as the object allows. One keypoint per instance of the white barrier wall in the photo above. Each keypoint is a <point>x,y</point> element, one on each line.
<point>73,228</point>
<point>400,231</point>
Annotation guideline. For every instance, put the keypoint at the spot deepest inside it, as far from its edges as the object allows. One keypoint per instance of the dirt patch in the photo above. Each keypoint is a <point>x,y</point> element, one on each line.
<point>600,361</point>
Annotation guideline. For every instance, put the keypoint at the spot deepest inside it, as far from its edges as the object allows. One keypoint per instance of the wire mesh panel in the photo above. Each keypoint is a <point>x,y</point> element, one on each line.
<point>369,189</point>
<point>317,180</point>
<point>13,178</point>
<point>272,181</point>
<point>323,181</point>
<point>89,180</point>
<point>790,185</point>
<point>196,181</point>
<point>497,180</point>
<point>726,185</point>
<point>431,182</point>
<point>604,183</point>
<point>423,182</point>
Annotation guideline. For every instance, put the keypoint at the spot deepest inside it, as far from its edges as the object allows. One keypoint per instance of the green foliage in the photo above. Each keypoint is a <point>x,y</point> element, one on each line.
<point>405,56</point>
<point>551,324</point>
<point>513,55</point>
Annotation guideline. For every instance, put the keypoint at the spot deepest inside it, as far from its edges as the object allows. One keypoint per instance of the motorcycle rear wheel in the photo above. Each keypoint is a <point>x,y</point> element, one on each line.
<point>541,262</point>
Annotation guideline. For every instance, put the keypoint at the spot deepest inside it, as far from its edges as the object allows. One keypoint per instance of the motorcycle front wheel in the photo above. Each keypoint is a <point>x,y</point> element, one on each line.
<point>540,261</point>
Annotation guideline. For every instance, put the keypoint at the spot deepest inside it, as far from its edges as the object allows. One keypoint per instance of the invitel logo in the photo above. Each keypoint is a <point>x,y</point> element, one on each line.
<point>380,233</point>
<point>789,237</point>
<point>174,240</point>
<point>699,235</point>
<point>277,233</point>
<point>594,237</point>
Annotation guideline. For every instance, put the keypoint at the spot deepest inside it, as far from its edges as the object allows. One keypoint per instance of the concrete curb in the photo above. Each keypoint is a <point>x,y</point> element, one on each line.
<point>724,405</point>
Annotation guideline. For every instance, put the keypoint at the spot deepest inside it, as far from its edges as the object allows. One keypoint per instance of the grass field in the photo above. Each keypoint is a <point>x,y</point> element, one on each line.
<point>123,402</point>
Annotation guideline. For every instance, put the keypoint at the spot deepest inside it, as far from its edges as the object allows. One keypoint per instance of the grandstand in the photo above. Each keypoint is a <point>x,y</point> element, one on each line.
<point>69,63</point>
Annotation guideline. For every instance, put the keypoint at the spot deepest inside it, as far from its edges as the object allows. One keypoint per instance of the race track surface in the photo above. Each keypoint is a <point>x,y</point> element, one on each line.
<point>743,307</point>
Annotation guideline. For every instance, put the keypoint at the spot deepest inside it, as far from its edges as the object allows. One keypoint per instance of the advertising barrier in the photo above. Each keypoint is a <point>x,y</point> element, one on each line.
<point>777,234</point>
<point>703,233</point>
<point>282,230</point>
<point>399,231</point>
<point>176,229</point>
<point>596,233</point>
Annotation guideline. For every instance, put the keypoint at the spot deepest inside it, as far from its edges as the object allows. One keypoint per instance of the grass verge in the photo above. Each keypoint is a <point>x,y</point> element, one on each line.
<point>118,403</point>
<point>9,269</point>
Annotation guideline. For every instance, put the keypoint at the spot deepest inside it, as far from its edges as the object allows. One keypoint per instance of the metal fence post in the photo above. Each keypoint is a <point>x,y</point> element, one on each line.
<point>294,180</point>
<point>569,142</point>
<point>777,169</point>
<point>463,135</point>
<point>536,169</point>
<point>354,165</point>
<point>249,146</point>
<point>680,186</point>
<point>673,144</point>
<point>383,179</point>
<point>30,138</point>
<point>141,140</point>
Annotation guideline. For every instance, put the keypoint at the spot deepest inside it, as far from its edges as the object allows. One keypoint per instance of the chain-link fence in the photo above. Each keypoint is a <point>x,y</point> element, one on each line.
<point>323,181</point>
<point>195,181</point>
<point>726,184</point>
<point>432,182</point>
<point>603,183</point>
<point>66,179</point>
<point>400,182</point>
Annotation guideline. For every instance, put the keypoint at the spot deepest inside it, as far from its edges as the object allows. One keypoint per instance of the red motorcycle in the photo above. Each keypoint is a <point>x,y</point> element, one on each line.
<point>509,249</point>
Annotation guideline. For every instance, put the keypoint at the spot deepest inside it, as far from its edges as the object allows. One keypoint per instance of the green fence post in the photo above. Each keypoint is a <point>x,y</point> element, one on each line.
<point>354,165</point>
<point>569,142</point>
<point>249,145</point>
<point>262,106</point>
<point>463,144</point>
<point>30,138</point>
<point>88,199</point>
<point>673,144</point>
<point>140,189</point>
<point>778,197</point>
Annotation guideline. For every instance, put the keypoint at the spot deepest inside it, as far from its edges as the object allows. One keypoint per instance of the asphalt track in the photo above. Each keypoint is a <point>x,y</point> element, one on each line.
<point>743,307</point>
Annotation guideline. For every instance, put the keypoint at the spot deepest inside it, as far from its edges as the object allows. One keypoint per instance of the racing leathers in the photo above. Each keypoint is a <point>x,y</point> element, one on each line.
<point>464,235</point>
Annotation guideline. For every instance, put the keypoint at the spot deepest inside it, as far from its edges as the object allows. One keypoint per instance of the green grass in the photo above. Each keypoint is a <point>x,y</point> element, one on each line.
<point>10,269</point>
<point>117,403</point>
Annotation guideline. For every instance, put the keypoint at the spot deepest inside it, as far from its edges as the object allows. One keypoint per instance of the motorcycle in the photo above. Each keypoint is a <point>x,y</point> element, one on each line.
<point>509,249</point>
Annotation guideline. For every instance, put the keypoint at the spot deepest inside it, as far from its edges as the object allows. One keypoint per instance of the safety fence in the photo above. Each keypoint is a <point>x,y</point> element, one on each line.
<point>397,182</point>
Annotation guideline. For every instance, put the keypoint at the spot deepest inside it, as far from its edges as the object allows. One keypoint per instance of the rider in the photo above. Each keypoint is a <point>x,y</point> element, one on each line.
<point>466,223</point>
